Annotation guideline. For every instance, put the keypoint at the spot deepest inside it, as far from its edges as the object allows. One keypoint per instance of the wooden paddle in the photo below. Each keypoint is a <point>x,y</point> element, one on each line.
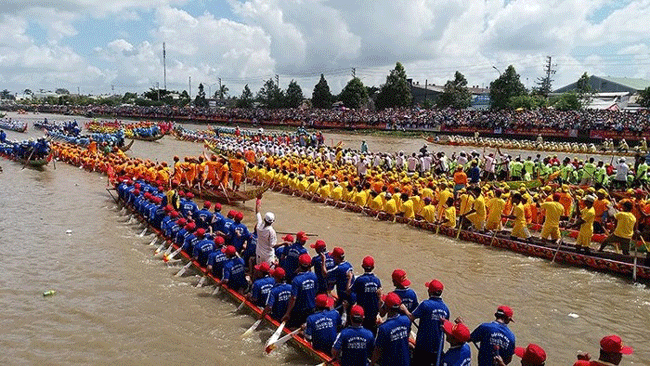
<point>274,337</point>
<point>281,341</point>
<point>559,245</point>
<point>29,158</point>
<point>184,269</point>
<point>252,328</point>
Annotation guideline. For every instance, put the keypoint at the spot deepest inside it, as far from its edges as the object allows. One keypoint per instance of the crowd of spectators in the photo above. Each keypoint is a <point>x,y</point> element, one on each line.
<point>405,118</point>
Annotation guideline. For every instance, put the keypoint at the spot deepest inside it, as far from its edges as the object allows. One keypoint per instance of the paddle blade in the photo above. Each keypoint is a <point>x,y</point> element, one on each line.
<point>216,290</point>
<point>201,281</point>
<point>185,268</point>
<point>153,242</point>
<point>251,329</point>
<point>275,335</point>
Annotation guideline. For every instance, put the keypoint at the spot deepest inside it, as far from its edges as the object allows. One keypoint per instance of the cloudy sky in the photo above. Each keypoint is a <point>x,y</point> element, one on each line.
<point>100,46</point>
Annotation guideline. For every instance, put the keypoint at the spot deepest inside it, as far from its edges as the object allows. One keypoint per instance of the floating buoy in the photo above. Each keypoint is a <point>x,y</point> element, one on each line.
<point>574,316</point>
<point>69,232</point>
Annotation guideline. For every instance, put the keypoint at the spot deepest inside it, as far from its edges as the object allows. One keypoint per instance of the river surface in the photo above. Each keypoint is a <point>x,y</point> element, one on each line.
<point>116,304</point>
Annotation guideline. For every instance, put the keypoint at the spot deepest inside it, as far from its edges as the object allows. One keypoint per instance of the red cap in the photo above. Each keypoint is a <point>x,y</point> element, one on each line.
<point>324,301</point>
<point>238,216</point>
<point>302,237</point>
<point>229,250</point>
<point>231,213</point>
<point>217,206</point>
<point>168,208</point>
<point>392,300</point>
<point>181,221</point>
<point>191,225</point>
<point>357,311</point>
<point>556,196</point>
<point>533,354</point>
<point>458,331</point>
<point>304,260</point>
<point>181,194</point>
<point>614,344</point>
<point>263,267</point>
<point>288,238</point>
<point>200,232</point>
<point>137,185</point>
<point>435,286</point>
<point>278,273</point>
<point>505,310</point>
<point>319,245</point>
<point>207,204</point>
<point>136,192</point>
<point>219,240</point>
<point>174,214</point>
<point>368,262</point>
<point>338,252</point>
<point>399,276</point>
<point>189,195</point>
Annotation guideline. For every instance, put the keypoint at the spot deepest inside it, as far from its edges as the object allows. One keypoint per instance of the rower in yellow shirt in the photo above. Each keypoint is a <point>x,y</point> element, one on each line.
<point>625,229</point>
<point>449,218</point>
<point>478,213</point>
<point>337,192</point>
<point>407,210</point>
<point>586,224</point>
<point>429,211</point>
<point>495,208</point>
<point>391,206</point>
<point>519,230</point>
<point>443,195</point>
<point>553,210</point>
<point>375,203</point>
<point>466,201</point>
<point>324,189</point>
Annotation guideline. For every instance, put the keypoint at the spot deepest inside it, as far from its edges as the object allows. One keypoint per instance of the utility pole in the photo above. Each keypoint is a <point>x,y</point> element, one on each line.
<point>164,67</point>
<point>546,82</point>
<point>220,95</point>
<point>78,91</point>
<point>190,87</point>
<point>277,80</point>
<point>158,89</point>
<point>354,72</point>
<point>113,89</point>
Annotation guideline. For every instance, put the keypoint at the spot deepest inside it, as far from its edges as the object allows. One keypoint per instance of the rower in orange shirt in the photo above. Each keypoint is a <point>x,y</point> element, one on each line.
<point>237,170</point>
<point>223,173</point>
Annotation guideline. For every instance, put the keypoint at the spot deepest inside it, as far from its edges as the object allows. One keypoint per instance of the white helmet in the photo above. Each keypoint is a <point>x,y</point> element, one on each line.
<point>269,217</point>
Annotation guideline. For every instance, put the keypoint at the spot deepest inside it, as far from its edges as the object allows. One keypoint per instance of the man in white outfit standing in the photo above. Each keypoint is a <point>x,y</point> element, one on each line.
<point>266,236</point>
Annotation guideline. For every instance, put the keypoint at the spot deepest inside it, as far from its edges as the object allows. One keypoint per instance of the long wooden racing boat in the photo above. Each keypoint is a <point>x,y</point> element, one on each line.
<point>14,127</point>
<point>31,162</point>
<point>300,342</point>
<point>147,138</point>
<point>432,140</point>
<point>126,148</point>
<point>601,261</point>
<point>228,195</point>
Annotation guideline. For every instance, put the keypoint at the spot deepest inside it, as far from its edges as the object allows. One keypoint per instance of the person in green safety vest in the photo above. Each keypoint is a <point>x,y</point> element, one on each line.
<point>529,167</point>
<point>516,168</point>
<point>566,171</point>
<point>600,175</point>
<point>589,172</point>
<point>641,173</point>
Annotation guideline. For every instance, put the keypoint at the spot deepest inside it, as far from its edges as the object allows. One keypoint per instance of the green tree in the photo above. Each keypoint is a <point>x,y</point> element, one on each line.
<point>584,90</point>
<point>28,92</point>
<point>567,102</point>
<point>354,94</point>
<point>200,100</point>
<point>246,98</point>
<point>222,92</point>
<point>156,94</point>
<point>6,94</point>
<point>644,98</point>
<point>62,91</point>
<point>456,93</point>
<point>294,95</point>
<point>396,92</point>
<point>529,102</point>
<point>506,86</point>
<point>129,97</point>
<point>271,95</point>
<point>321,97</point>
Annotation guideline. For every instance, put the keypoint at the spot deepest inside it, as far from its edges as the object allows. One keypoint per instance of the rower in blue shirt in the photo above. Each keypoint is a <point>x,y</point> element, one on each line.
<point>495,338</point>
<point>248,255</point>
<point>191,239</point>
<point>367,289</point>
<point>303,294</point>
<point>431,312</point>
<point>459,352</point>
<point>292,253</point>
<point>278,300</point>
<point>227,223</point>
<point>262,286</point>
<point>321,327</point>
<point>353,345</point>
<point>234,275</point>
<point>217,219</point>
<point>203,217</point>
<point>402,283</point>
<point>322,257</point>
<point>239,234</point>
<point>392,343</point>
<point>342,276</point>
<point>203,248</point>
<point>217,258</point>
<point>188,207</point>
